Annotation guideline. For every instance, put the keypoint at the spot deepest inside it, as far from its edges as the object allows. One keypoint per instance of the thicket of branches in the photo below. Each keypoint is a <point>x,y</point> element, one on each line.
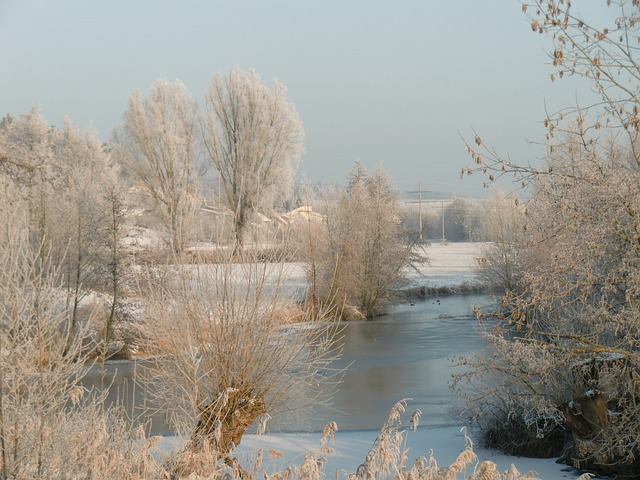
<point>562,377</point>
<point>50,425</point>
<point>227,353</point>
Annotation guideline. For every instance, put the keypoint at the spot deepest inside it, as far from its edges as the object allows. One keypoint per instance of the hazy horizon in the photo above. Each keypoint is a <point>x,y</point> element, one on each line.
<point>387,84</point>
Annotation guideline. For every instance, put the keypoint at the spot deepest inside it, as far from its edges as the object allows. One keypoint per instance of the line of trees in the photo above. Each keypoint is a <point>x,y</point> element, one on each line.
<point>248,132</point>
<point>456,220</point>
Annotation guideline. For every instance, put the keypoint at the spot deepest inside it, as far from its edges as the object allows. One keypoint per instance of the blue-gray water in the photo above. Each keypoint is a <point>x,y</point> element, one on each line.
<point>407,353</point>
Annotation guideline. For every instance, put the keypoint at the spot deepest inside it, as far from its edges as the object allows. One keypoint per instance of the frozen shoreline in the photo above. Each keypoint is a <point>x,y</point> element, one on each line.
<point>351,449</point>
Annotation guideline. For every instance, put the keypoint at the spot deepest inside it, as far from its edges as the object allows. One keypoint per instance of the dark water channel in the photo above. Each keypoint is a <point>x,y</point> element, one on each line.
<point>406,353</point>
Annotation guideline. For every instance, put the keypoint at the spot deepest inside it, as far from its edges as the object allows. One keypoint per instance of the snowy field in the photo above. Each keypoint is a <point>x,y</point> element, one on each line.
<point>451,265</point>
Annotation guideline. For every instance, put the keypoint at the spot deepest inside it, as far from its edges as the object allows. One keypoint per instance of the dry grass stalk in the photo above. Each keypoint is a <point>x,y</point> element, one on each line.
<point>389,453</point>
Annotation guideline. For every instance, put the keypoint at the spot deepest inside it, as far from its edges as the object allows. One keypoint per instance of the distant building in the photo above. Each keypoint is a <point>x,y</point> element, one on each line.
<point>304,213</point>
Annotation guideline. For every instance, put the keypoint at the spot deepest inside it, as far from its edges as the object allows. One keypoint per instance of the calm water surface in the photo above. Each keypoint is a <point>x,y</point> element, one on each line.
<point>406,353</point>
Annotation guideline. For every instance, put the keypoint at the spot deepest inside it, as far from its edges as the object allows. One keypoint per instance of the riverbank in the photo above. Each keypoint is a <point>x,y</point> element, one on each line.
<point>449,271</point>
<point>451,266</point>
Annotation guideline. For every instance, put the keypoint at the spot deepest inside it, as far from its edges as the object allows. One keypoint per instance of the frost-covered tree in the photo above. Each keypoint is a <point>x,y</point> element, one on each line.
<point>566,358</point>
<point>565,361</point>
<point>601,49</point>
<point>66,178</point>
<point>29,163</point>
<point>363,252</point>
<point>254,138</point>
<point>461,220</point>
<point>158,144</point>
<point>82,205</point>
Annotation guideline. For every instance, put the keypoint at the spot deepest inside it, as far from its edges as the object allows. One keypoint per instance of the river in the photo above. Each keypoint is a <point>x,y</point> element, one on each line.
<point>407,353</point>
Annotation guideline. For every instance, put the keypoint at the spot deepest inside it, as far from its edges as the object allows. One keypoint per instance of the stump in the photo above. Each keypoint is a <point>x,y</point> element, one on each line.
<point>605,389</point>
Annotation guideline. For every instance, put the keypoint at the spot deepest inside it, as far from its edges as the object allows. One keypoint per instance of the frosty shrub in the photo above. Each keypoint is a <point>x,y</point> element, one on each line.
<point>226,353</point>
<point>566,360</point>
<point>357,256</point>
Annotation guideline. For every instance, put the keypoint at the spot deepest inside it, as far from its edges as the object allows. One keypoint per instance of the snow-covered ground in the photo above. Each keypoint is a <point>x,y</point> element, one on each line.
<point>351,449</point>
<point>450,265</point>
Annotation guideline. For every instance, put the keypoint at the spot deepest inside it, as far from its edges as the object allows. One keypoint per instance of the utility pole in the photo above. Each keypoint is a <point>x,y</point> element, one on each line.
<point>441,202</point>
<point>443,240</point>
<point>420,202</point>
<point>420,209</point>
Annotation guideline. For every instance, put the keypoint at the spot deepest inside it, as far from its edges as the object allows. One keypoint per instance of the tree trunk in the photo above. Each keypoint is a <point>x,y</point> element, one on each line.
<point>239,223</point>
<point>223,426</point>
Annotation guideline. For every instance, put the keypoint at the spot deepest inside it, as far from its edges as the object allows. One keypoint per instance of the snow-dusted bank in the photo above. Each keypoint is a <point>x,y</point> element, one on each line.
<point>351,449</point>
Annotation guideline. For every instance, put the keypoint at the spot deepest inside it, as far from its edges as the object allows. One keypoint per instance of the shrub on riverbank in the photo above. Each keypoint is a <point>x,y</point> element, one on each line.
<point>225,355</point>
<point>357,256</point>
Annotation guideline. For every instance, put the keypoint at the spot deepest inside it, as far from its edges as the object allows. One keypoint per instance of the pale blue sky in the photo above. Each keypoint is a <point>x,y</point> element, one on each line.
<point>385,82</point>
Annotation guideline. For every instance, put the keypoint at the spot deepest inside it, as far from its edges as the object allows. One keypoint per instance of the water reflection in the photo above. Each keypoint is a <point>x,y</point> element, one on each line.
<point>407,353</point>
<point>123,379</point>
